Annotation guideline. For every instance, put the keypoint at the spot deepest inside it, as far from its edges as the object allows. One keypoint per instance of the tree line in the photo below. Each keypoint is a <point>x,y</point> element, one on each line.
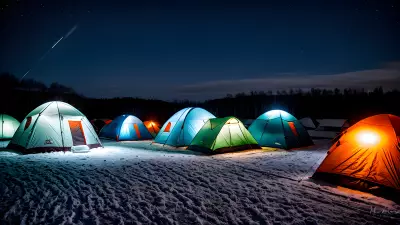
<point>20,97</point>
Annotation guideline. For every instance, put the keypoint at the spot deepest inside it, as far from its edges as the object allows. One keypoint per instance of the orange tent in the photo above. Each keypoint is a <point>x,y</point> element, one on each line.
<point>366,156</point>
<point>153,127</point>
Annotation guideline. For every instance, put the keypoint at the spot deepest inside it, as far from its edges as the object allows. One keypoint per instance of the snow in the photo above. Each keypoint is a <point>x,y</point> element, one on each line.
<point>144,183</point>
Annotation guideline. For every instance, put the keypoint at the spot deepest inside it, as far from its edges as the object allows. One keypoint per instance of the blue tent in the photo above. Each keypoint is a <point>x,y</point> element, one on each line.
<point>125,128</point>
<point>181,128</point>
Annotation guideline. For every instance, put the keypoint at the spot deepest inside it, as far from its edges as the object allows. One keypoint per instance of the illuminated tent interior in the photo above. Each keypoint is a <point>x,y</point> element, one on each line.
<point>8,126</point>
<point>223,135</point>
<point>153,127</point>
<point>54,126</point>
<point>279,129</point>
<point>181,128</point>
<point>366,156</point>
<point>98,124</point>
<point>126,128</point>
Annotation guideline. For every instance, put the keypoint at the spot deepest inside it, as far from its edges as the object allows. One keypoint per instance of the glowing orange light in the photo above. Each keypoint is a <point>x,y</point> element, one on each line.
<point>368,138</point>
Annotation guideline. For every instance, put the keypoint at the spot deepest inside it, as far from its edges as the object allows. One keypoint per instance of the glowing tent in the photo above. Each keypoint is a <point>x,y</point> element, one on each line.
<point>153,127</point>
<point>181,128</point>
<point>279,129</point>
<point>125,128</point>
<point>366,156</point>
<point>8,126</point>
<point>54,126</point>
<point>223,135</point>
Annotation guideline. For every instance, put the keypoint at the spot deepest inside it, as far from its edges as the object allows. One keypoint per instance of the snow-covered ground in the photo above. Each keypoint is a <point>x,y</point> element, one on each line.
<point>139,183</point>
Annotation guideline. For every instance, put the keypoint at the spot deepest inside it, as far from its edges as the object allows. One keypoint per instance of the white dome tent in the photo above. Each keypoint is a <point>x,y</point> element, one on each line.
<point>54,126</point>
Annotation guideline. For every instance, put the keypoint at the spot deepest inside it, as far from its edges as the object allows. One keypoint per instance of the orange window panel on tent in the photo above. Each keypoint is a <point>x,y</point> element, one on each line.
<point>28,122</point>
<point>137,130</point>
<point>168,127</point>
<point>77,133</point>
<point>293,128</point>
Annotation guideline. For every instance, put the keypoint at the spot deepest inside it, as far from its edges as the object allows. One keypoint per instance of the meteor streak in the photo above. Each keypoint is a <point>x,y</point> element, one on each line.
<point>57,42</point>
<point>72,30</point>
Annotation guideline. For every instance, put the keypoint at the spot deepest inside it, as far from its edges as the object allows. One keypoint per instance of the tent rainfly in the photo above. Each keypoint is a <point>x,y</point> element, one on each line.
<point>125,128</point>
<point>8,126</point>
<point>181,128</point>
<point>54,126</point>
<point>366,156</point>
<point>223,135</point>
<point>279,129</point>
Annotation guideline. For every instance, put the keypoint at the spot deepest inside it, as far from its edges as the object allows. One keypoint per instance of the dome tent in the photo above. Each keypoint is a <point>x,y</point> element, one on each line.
<point>181,128</point>
<point>54,126</point>
<point>366,156</point>
<point>8,126</point>
<point>279,129</point>
<point>223,135</point>
<point>125,128</point>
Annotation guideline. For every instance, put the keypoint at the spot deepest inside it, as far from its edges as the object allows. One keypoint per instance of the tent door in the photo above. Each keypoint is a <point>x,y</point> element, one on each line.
<point>78,136</point>
<point>137,130</point>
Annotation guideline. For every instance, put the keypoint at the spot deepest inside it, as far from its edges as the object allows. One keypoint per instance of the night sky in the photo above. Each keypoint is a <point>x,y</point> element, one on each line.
<point>202,49</point>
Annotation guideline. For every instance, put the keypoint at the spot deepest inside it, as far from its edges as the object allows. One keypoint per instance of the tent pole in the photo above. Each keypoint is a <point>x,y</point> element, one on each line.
<point>62,133</point>
<point>174,127</point>
<point>283,129</point>
<point>183,125</point>
<point>244,135</point>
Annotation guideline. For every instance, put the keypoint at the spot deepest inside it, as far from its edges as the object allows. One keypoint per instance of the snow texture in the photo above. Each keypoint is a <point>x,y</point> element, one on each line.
<point>140,183</point>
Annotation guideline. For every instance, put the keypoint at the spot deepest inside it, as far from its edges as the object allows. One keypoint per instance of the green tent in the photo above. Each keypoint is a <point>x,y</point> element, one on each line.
<point>279,129</point>
<point>223,135</point>
<point>8,126</point>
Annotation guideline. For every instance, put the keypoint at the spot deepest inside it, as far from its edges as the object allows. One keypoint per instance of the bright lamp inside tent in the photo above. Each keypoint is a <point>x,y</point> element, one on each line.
<point>368,138</point>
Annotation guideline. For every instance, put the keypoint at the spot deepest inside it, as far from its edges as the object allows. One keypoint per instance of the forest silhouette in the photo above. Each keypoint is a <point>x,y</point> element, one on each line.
<point>19,97</point>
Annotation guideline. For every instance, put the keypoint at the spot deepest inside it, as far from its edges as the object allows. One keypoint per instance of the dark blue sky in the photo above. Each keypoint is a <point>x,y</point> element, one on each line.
<point>201,49</point>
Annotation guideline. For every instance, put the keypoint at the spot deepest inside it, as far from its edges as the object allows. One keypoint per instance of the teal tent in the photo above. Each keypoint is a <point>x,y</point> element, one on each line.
<point>8,126</point>
<point>279,129</point>
<point>181,128</point>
